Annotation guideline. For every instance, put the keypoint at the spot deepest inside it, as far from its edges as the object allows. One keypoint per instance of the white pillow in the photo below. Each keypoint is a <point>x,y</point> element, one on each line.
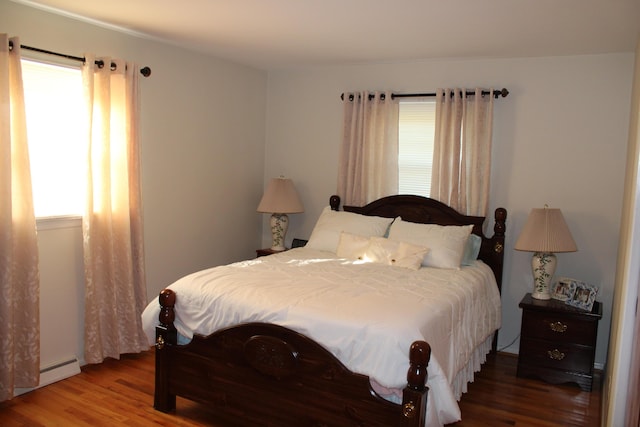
<point>326,233</point>
<point>352,246</point>
<point>471,249</point>
<point>446,243</point>
<point>391,252</point>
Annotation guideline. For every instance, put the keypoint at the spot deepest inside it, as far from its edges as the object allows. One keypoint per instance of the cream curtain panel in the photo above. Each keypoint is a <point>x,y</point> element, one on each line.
<point>19,276</point>
<point>368,167</point>
<point>115,293</point>
<point>462,150</point>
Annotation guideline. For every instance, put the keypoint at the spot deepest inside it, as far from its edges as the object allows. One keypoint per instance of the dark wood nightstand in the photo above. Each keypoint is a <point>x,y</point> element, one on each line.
<point>558,341</point>
<point>267,251</point>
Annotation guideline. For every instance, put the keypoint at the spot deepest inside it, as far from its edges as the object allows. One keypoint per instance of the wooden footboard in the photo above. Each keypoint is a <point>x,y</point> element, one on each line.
<point>267,375</point>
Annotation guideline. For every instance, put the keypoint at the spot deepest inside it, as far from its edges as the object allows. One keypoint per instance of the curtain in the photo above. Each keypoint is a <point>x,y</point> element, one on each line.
<point>115,293</point>
<point>368,165</point>
<point>462,150</point>
<point>19,276</point>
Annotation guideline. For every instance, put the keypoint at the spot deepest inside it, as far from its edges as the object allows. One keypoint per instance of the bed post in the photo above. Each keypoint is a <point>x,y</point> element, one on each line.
<point>166,337</point>
<point>497,254</point>
<point>334,202</point>
<point>414,396</point>
<point>498,243</point>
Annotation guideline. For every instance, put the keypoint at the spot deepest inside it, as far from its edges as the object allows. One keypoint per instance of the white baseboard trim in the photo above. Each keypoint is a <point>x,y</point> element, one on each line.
<point>53,373</point>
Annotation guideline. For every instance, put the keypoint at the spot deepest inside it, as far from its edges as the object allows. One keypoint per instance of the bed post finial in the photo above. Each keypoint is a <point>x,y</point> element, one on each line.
<point>167,300</point>
<point>334,202</point>
<point>419,356</point>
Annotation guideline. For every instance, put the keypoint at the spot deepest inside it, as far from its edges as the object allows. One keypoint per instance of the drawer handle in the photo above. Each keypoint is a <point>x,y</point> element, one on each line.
<point>558,327</point>
<point>555,354</point>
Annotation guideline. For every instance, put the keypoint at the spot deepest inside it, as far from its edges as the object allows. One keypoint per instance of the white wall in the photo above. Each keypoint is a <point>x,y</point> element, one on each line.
<point>560,138</point>
<point>203,130</point>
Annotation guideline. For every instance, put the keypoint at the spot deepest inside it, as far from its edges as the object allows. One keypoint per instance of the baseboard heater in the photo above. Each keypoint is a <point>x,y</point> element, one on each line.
<point>53,373</point>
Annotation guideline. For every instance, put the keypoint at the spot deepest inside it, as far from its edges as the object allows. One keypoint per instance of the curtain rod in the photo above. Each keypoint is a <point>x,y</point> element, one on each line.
<point>145,71</point>
<point>496,94</point>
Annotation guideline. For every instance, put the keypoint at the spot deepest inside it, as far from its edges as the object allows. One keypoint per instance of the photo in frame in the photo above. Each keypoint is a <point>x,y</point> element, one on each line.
<point>583,297</point>
<point>564,288</point>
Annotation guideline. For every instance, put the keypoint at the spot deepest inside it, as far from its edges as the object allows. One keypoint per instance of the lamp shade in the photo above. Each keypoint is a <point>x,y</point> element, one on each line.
<point>546,231</point>
<point>280,197</point>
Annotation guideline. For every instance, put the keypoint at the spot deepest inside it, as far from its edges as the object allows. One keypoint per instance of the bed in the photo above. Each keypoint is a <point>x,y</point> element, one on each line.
<point>288,365</point>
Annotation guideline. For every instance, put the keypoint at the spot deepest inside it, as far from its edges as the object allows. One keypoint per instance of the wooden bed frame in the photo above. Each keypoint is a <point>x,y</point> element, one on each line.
<point>262,374</point>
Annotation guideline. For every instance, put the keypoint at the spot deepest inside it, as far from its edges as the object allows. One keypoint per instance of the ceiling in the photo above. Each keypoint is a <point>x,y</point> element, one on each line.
<point>269,34</point>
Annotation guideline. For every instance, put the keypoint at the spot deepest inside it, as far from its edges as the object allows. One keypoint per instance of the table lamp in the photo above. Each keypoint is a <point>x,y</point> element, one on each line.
<point>544,233</point>
<point>280,199</point>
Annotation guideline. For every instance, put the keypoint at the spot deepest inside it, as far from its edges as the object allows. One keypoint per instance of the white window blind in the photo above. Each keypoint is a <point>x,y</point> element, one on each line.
<point>415,152</point>
<point>55,130</point>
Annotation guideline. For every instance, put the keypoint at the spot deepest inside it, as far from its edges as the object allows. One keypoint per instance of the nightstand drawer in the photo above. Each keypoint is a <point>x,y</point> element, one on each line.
<point>553,327</point>
<point>575,358</point>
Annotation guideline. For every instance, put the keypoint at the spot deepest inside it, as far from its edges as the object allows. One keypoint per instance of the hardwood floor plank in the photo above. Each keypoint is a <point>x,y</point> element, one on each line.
<point>497,397</point>
<point>120,393</point>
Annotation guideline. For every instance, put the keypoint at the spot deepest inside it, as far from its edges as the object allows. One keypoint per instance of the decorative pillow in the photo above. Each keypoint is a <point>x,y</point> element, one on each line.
<point>391,252</point>
<point>352,246</point>
<point>326,233</point>
<point>471,249</point>
<point>446,243</point>
<point>380,250</point>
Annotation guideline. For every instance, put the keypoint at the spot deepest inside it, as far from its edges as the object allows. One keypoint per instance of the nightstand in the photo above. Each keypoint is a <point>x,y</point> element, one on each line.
<point>558,341</point>
<point>267,251</point>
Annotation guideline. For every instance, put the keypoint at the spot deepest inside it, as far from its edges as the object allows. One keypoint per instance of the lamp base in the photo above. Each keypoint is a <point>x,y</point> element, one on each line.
<point>279,224</point>
<point>541,295</point>
<point>543,265</point>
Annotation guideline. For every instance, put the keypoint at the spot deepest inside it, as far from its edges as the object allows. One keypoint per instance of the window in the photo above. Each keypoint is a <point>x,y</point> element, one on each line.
<point>55,115</point>
<point>415,153</point>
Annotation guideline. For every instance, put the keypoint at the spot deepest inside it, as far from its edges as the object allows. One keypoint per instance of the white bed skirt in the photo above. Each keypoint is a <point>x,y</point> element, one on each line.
<point>466,375</point>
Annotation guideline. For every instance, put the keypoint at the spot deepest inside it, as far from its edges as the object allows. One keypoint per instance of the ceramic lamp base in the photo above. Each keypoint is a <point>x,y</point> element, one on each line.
<point>543,265</point>
<point>541,295</point>
<point>279,224</point>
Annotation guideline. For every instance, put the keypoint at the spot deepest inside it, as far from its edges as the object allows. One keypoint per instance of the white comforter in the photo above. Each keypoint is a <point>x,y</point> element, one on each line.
<point>366,314</point>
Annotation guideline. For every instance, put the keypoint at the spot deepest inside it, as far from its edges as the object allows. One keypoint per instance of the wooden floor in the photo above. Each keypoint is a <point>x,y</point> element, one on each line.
<point>120,393</point>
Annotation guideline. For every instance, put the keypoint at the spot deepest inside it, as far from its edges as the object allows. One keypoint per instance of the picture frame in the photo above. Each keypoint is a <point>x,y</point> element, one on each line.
<point>564,288</point>
<point>584,296</point>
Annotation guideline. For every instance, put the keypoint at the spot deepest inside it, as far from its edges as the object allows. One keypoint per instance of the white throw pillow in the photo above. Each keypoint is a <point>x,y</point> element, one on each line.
<point>352,246</point>
<point>392,252</point>
<point>326,233</point>
<point>410,256</point>
<point>446,243</point>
